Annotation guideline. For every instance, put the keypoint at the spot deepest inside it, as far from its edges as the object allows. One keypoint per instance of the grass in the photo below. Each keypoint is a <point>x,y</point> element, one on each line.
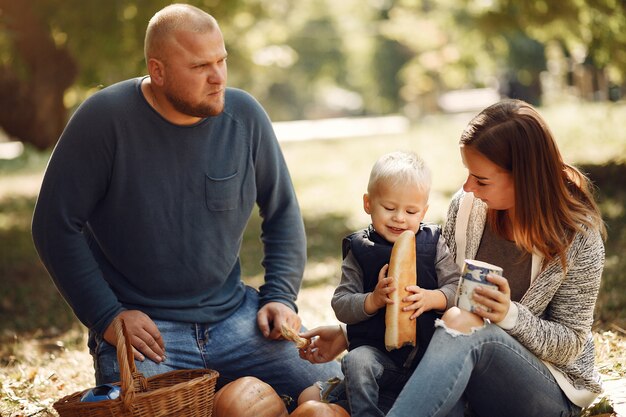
<point>42,346</point>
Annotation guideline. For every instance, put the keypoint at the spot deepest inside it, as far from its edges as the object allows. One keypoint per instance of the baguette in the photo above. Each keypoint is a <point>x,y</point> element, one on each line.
<point>400,330</point>
<point>290,334</point>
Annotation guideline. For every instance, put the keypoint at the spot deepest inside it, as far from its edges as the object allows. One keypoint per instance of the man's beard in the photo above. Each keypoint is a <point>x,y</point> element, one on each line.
<point>202,110</point>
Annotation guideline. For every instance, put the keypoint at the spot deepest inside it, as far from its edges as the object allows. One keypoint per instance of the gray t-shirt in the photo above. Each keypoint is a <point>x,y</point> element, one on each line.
<point>515,263</point>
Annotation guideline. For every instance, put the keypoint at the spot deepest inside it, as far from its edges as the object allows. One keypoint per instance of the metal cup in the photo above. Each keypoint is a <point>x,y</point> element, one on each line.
<point>474,275</point>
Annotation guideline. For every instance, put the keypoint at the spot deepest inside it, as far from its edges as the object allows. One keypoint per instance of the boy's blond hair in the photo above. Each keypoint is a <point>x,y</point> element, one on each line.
<point>400,168</point>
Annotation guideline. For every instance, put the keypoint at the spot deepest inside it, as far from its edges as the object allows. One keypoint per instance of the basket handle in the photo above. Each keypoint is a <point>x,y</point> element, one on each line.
<point>126,360</point>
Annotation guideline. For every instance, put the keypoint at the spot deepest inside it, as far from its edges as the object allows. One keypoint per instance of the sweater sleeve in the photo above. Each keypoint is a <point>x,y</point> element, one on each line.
<point>447,272</point>
<point>449,227</point>
<point>348,301</point>
<point>282,228</point>
<point>75,180</point>
<point>558,333</point>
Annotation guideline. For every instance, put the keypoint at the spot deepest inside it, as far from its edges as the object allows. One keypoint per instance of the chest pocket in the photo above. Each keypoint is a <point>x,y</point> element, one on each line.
<point>222,193</point>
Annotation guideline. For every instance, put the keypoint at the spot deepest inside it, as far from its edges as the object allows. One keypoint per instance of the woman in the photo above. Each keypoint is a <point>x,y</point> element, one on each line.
<point>530,353</point>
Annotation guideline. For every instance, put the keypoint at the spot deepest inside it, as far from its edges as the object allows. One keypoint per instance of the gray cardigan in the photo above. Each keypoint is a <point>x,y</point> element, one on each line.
<point>554,317</point>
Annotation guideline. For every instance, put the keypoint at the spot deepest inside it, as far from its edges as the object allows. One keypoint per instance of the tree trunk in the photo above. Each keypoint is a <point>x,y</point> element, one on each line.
<point>33,83</point>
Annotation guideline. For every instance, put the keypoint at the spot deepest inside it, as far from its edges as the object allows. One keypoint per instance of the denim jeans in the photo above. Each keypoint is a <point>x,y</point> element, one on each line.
<point>368,371</point>
<point>234,347</point>
<point>490,370</point>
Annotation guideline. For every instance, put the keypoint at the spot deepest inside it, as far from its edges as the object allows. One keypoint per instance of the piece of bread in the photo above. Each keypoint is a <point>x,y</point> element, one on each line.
<point>399,329</point>
<point>290,334</point>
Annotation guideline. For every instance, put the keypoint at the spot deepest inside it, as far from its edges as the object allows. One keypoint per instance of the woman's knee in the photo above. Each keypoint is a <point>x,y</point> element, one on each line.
<point>462,321</point>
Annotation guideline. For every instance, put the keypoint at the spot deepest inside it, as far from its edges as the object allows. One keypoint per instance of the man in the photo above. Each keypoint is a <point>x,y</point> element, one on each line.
<point>143,207</point>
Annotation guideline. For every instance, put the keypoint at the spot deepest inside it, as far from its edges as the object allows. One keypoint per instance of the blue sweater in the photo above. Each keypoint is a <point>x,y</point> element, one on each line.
<point>138,213</point>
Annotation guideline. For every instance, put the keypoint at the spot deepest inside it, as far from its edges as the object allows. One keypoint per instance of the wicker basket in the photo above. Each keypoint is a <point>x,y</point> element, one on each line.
<point>184,393</point>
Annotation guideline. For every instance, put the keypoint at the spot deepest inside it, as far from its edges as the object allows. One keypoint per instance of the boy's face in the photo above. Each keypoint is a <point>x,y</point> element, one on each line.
<point>395,209</point>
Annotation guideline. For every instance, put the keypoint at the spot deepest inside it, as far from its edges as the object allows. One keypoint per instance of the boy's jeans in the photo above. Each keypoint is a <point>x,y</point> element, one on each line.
<point>234,347</point>
<point>371,377</point>
<point>494,373</point>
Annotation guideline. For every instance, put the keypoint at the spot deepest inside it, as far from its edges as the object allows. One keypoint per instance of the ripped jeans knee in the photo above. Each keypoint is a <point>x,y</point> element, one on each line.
<point>460,322</point>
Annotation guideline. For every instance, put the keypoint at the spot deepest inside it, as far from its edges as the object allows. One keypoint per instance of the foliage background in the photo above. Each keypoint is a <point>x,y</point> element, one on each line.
<point>313,59</point>
<point>319,58</point>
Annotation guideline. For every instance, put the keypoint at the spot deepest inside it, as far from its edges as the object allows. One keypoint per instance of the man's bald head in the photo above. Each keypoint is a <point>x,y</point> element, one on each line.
<point>173,18</point>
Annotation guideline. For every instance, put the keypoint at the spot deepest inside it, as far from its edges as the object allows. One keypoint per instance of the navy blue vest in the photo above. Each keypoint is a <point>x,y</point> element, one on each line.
<point>372,251</point>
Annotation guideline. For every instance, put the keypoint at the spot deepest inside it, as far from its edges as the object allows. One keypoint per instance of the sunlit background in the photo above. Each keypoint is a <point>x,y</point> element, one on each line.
<point>344,81</point>
<point>311,59</point>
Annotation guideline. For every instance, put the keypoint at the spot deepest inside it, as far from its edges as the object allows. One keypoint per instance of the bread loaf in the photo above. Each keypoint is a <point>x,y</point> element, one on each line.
<point>290,334</point>
<point>400,330</point>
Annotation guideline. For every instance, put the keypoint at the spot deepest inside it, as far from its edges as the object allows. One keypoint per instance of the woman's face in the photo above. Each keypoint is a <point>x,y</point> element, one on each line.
<point>488,181</point>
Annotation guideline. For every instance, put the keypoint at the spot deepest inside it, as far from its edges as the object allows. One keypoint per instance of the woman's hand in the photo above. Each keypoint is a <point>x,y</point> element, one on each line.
<point>326,343</point>
<point>498,300</point>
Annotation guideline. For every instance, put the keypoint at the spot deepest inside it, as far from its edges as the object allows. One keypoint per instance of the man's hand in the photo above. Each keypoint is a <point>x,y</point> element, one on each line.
<point>326,343</point>
<point>143,333</point>
<point>273,315</point>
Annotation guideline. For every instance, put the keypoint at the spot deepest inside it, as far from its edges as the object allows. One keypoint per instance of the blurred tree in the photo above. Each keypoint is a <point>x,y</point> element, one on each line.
<point>48,46</point>
<point>525,62</point>
<point>313,58</point>
<point>592,32</point>
<point>389,57</point>
<point>476,43</point>
<point>298,67</point>
<point>448,51</point>
<point>32,84</point>
<point>318,66</point>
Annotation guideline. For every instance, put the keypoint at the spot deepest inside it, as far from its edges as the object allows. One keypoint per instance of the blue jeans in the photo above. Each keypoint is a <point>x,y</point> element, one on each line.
<point>490,370</point>
<point>368,371</point>
<point>234,347</point>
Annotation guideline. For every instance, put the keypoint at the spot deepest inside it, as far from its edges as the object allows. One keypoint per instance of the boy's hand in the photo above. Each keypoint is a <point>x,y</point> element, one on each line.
<point>327,342</point>
<point>379,298</point>
<point>423,300</point>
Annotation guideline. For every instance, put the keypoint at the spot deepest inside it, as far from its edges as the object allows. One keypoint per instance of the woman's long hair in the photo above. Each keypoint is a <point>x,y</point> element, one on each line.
<point>553,200</point>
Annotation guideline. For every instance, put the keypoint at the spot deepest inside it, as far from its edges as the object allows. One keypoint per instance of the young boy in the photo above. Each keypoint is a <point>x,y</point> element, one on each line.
<point>397,200</point>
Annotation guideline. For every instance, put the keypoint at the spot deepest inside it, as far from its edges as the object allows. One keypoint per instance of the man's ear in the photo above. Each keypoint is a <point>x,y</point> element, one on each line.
<point>156,69</point>
<point>366,203</point>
